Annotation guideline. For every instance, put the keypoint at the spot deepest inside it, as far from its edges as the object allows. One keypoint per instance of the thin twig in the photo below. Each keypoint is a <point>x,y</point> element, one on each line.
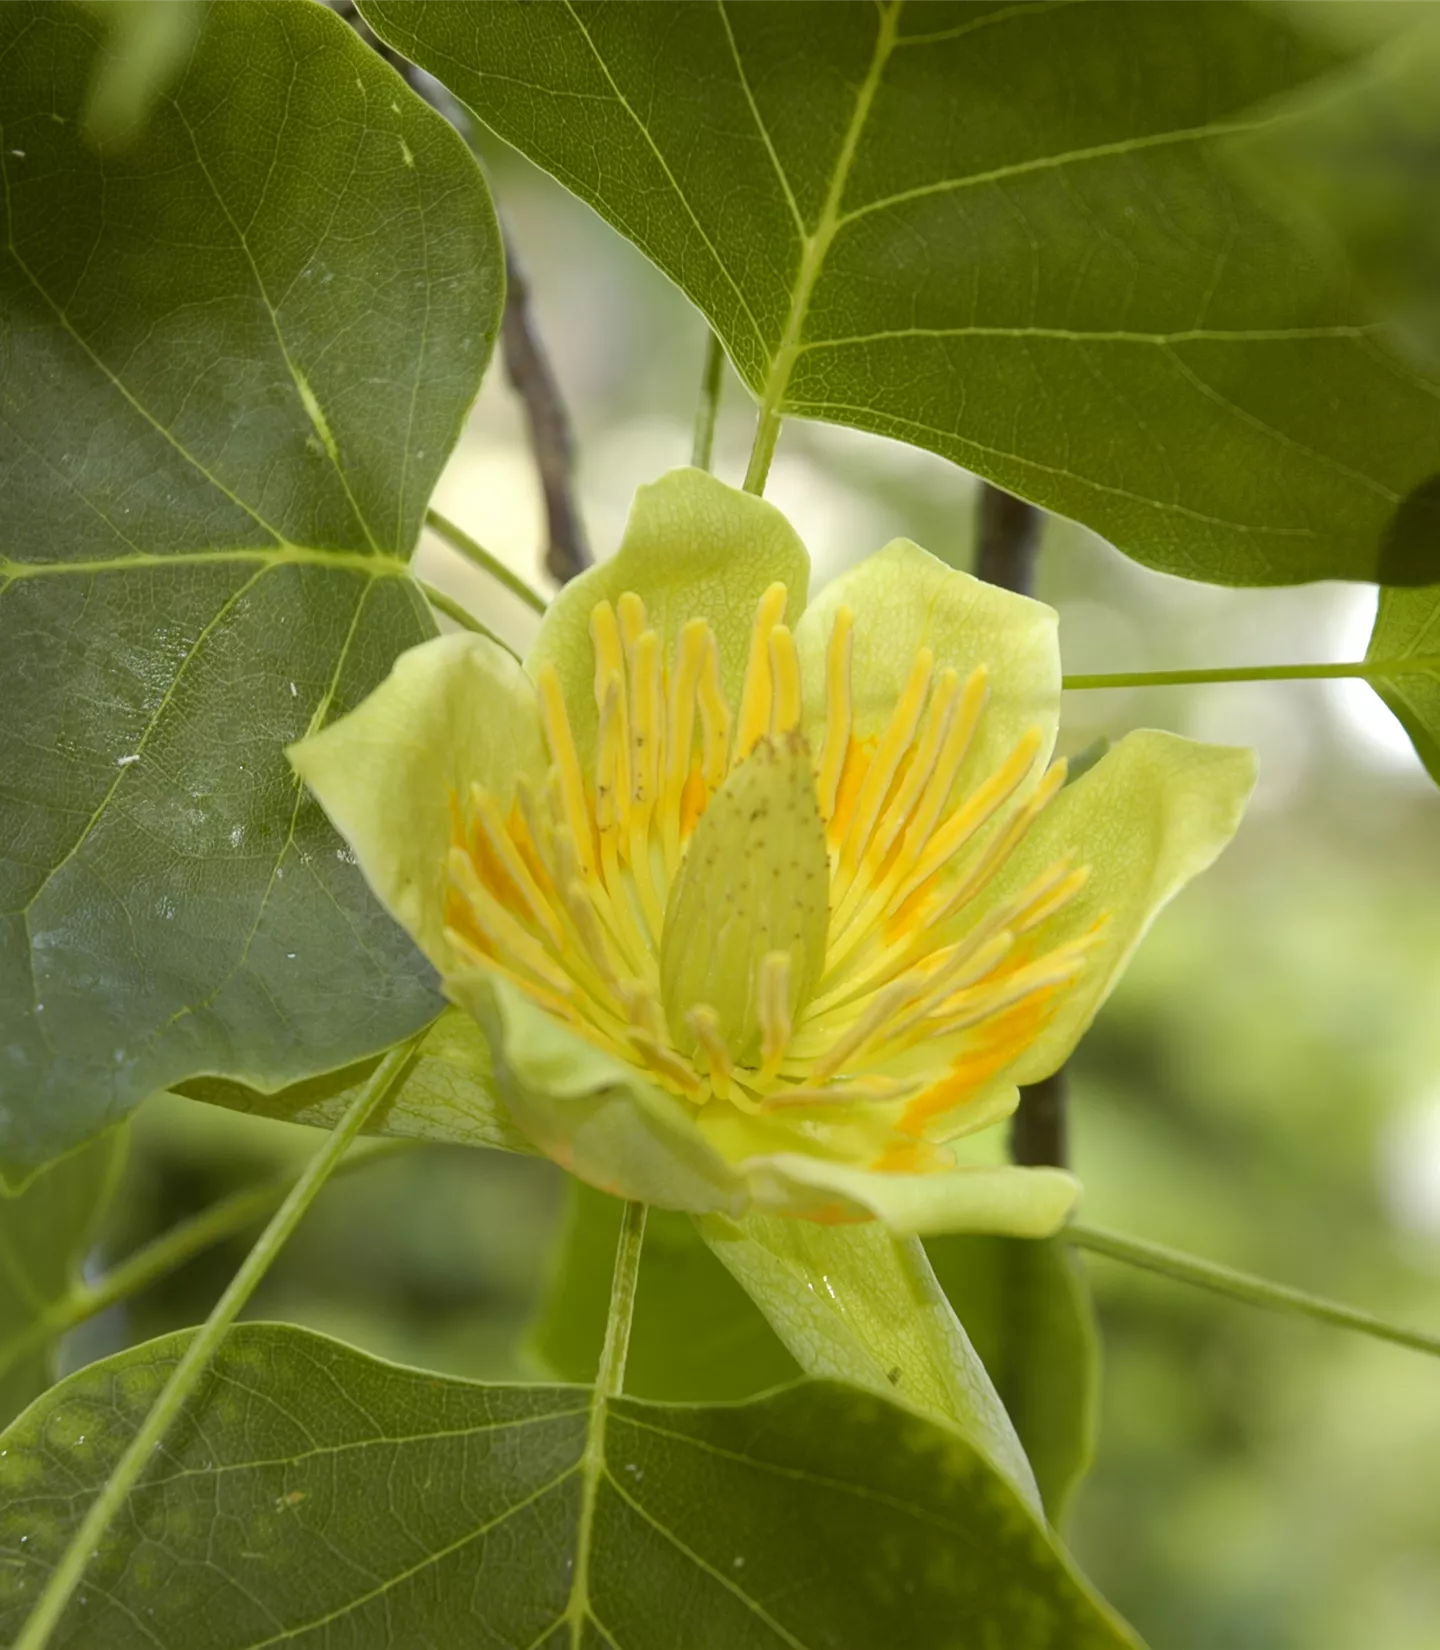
<point>527,366</point>
<point>1007,544</point>
<point>527,362</point>
<point>702,448</point>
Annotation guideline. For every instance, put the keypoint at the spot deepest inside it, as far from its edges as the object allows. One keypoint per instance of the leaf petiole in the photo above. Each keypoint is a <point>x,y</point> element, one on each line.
<point>703,445</point>
<point>767,433</point>
<point>170,1250</point>
<point>187,1374</point>
<point>461,615</point>
<point>1244,1286</point>
<point>1365,668</point>
<point>458,539</point>
<point>609,1383</point>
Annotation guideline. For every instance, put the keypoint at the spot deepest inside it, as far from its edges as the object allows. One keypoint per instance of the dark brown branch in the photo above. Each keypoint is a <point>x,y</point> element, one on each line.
<point>1007,540</point>
<point>1007,543</point>
<point>527,363</point>
<point>527,366</point>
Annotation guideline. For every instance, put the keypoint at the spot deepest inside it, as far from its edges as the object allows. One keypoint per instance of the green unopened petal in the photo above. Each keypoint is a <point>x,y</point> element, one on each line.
<point>595,1115</point>
<point>903,599</point>
<point>1149,816</point>
<point>693,548</point>
<point>1012,1201</point>
<point>454,711</point>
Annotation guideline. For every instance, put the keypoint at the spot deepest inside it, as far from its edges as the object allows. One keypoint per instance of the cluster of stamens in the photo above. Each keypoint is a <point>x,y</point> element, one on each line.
<point>566,894</point>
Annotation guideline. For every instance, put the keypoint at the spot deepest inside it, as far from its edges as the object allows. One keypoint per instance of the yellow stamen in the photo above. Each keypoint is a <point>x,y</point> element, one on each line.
<point>785,671</point>
<point>874,1089</point>
<point>537,993</point>
<point>977,810</point>
<point>758,692</point>
<point>610,763</point>
<point>704,1022</point>
<point>613,749</point>
<point>837,710</point>
<point>680,734</point>
<point>668,1063</point>
<point>567,764</point>
<point>647,726</point>
<point>953,752</point>
<point>897,739</point>
<point>714,719</point>
<point>1002,844</point>
<point>773,1011</point>
<point>630,611</point>
<point>487,815</point>
<point>508,937</point>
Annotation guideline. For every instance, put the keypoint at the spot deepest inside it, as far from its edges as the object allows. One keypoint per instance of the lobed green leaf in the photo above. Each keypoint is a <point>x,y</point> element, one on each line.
<point>1002,232</point>
<point>237,351</point>
<point>312,1495</point>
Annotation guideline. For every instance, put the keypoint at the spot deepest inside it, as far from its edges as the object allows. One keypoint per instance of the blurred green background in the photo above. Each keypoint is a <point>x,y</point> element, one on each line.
<point>1264,1088</point>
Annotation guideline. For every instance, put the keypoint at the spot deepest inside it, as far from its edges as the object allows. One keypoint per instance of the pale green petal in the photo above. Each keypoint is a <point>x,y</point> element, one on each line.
<point>1151,814</point>
<point>693,548</point>
<point>593,1114</point>
<point>1013,1201</point>
<point>452,711</point>
<point>903,598</point>
<point>858,1303</point>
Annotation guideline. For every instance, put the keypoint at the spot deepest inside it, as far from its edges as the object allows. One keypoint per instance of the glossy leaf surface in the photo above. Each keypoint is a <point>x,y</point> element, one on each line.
<point>1003,232</point>
<point>236,352</point>
<point>314,1496</point>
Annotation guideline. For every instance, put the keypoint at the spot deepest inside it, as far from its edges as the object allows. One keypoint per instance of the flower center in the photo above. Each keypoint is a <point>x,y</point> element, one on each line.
<point>755,923</point>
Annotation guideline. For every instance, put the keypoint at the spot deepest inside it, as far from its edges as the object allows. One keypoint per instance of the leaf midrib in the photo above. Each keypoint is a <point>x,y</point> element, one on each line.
<point>376,564</point>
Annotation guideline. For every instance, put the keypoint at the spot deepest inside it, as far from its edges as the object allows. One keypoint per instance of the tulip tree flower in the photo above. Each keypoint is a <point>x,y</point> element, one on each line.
<point>763,905</point>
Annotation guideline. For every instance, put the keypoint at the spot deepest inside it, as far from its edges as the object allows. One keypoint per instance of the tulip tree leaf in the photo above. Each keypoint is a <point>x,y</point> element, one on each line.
<point>46,1229</point>
<point>1359,156</point>
<point>1026,1306</point>
<point>696,1335</point>
<point>447,1095</point>
<point>1407,628</point>
<point>236,352</point>
<point>313,1495</point>
<point>1002,232</point>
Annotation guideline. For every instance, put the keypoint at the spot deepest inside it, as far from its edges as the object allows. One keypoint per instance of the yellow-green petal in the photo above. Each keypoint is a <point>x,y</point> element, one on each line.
<point>1149,816</point>
<point>1011,1201</point>
<point>594,1114</point>
<point>903,599</point>
<point>692,548</point>
<point>454,711</point>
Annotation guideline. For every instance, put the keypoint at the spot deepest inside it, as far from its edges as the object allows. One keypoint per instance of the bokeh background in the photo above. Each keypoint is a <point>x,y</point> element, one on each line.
<point>1264,1088</point>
